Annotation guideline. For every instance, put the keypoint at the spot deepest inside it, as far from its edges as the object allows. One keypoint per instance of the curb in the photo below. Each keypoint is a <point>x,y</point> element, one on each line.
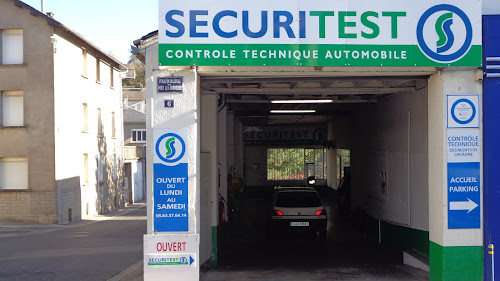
<point>132,273</point>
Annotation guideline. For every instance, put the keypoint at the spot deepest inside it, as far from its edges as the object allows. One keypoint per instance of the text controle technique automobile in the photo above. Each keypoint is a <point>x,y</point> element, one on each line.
<point>297,209</point>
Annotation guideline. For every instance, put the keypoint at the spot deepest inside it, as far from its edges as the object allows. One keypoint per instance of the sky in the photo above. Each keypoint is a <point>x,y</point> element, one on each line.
<point>111,25</point>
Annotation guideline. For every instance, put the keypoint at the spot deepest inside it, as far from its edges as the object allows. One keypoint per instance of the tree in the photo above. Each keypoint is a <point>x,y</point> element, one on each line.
<point>140,74</point>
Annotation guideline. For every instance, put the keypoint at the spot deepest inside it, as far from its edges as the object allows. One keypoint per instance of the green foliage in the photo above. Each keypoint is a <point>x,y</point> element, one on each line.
<point>140,74</point>
<point>295,163</point>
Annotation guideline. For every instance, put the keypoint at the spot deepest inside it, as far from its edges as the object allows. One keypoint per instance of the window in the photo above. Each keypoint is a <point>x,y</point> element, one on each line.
<point>84,62</point>
<point>85,169</point>
<point>98,70</point>
<point>99,122</point>
<point>12,46</point>
<point>13,173</point>
<point>296,163</point>
<point>113,125</point>
<point>139,136</point>
<point>111,78</point>
<point>115,168</point>
<point>12,109</point>
<point>100,168</point>
<point>85,118</point>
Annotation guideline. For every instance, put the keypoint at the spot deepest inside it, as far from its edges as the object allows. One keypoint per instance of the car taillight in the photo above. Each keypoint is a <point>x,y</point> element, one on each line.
<point>278,213</point>
<point>321,212</point>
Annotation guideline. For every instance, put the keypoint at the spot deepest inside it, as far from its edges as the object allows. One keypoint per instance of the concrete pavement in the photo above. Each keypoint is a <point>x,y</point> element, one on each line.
<point>93,249</point>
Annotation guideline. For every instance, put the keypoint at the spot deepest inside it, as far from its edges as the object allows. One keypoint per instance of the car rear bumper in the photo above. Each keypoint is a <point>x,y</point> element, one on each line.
<point>286,224</point>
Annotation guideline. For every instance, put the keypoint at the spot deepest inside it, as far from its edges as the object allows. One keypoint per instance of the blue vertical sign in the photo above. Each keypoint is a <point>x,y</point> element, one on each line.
<point>170,176</point>
<point>464,195</point>
<point>464,162</point>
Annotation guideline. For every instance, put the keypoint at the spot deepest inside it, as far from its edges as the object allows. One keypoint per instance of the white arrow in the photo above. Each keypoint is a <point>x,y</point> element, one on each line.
<point>463,206</point>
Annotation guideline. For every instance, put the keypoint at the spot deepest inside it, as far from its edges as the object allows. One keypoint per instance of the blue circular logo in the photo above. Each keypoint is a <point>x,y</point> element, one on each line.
<point>167,148</point>
<point>446,38</point>
<point>465,113</point>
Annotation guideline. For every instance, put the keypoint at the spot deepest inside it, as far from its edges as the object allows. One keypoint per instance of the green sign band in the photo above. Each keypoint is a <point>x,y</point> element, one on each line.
<point>305,55</point>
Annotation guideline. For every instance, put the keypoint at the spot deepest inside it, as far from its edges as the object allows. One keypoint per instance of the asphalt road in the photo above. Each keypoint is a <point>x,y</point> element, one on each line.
<point>95,249</point>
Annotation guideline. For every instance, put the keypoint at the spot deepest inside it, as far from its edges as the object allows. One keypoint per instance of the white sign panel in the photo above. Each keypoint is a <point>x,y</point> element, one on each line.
<point>463,111</point>
<point>320,32</point>
<point>463,145</point>
<point>171,257</point>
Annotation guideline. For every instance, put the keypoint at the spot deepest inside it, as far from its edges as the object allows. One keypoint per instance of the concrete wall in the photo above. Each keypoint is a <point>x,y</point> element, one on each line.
<point>72,90</point>
<point>185,115</point>
<point>390,137</point>
<point>127,133</point>
<point>339,131</point>
<point>440,85</point>
<point>35,141</point>
<point>209,181</point>
<point>491,7</point>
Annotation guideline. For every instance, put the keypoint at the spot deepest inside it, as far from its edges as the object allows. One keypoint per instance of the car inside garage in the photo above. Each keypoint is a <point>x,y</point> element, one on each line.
<point>317,131</point>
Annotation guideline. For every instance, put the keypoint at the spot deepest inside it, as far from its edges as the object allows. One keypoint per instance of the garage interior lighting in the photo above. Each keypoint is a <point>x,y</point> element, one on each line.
<point>301,101</point>
<point>292,111</point>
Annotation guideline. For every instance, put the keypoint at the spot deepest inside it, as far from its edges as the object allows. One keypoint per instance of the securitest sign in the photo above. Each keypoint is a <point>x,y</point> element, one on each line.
<point>170,180</point>
<point>320,33</point>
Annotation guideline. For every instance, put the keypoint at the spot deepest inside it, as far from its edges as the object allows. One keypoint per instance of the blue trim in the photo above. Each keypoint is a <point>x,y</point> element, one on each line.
<point>491,145</point>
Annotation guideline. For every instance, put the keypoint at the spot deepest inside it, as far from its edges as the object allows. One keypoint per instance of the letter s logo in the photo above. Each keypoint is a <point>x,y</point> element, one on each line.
<point>448,48</point>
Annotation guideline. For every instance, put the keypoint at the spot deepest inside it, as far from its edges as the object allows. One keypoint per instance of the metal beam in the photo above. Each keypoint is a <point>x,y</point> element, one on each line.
<point>269,102</point>
<point>294,85</point>
<point>305,79</point>
<point>336,91</point>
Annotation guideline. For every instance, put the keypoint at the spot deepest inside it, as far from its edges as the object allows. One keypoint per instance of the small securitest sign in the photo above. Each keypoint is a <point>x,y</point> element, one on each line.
<point>320,33</point>
<point>171,257</point>
<point>170,180</point>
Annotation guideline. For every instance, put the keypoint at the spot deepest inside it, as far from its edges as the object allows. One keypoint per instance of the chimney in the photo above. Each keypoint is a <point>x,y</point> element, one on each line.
<point>43,6</point>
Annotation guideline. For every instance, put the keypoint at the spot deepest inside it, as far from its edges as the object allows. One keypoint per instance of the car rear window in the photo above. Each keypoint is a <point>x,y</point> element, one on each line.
<point>297,199</point>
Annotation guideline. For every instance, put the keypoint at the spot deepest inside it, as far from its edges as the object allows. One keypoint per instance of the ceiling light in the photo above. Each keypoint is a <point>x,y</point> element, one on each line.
<point>292,111</point>
<point>301,101</point>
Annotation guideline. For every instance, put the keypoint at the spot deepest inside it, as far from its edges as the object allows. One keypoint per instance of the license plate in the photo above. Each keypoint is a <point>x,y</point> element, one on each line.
<point>299,223</point>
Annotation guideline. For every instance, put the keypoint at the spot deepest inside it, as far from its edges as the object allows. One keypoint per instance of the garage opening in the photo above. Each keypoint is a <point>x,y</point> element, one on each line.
<point>360,142</point>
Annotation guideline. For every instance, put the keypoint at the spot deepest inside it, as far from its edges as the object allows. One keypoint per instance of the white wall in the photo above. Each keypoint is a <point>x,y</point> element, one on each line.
<point>71,90</point>
<point>441,84</point>
<point>391,137</point>
<point>491,7</point>
<point>186,115</point>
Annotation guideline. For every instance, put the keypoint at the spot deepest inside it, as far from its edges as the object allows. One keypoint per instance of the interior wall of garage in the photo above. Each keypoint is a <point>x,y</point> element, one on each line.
<point>389,162</point>
<point>339,133</point>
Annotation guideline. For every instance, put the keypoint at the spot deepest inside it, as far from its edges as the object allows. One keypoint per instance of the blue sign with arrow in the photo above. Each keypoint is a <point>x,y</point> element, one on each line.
<point>464,195</point>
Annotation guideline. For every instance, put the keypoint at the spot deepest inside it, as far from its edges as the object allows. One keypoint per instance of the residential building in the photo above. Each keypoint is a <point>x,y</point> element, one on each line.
<point>61,157</point>
<point>134,125</point>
